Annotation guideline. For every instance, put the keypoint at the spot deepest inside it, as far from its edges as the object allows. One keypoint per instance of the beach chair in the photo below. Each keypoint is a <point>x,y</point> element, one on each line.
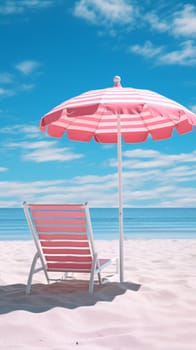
<point>63,238</point>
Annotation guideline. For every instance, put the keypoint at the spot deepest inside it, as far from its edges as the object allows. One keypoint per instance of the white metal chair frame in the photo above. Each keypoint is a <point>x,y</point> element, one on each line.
<point>97,264</point>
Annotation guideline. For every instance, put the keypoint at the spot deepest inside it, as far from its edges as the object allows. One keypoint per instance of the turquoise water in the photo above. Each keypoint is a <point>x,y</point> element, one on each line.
<point>138,223</point>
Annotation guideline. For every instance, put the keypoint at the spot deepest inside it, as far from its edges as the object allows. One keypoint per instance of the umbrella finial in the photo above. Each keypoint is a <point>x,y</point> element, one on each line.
<point>117,80</point>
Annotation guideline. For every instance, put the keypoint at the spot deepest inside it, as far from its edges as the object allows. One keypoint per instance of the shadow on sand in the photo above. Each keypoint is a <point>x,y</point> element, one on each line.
<point>69,295</point>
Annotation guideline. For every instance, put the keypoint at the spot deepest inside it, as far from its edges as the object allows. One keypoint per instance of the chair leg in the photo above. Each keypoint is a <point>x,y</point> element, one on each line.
<point>32,271</point>
<point>91,283</point>
<point>99,277</point>
<point>28,288</point>
<point>92,277</point>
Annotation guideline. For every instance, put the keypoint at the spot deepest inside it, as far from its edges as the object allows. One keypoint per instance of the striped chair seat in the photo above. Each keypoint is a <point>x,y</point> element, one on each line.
<point>64,242</point>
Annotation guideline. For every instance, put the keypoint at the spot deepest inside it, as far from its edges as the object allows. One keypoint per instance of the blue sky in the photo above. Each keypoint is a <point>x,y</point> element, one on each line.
<point>52,50</point>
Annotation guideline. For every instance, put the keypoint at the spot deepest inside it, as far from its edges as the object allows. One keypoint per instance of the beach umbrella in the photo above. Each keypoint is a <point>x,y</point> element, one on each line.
<point>110,114</point>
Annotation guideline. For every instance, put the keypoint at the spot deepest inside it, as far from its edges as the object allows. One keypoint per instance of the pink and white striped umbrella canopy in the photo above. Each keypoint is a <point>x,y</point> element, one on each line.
<point>108,115</point>
<point>95,114</point>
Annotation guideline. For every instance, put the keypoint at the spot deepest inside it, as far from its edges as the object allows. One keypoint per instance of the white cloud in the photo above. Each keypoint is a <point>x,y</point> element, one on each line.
<point>9,203</point>
<point>155,163</point>
<point>14,89</point>
<point>166,160</point>
<point>51,154</point>
<point>21,129</point>
<point>141,153</point>
<point>184,55</point>
<point>168,21</point>
<point>184,22</point>
<point>159,183</point>
<point>27,67</point>
<point>44,151</point>
<point>156,22</point>
<point>92,179</point>
<point>102,192</point>
<point>12,83</point>
<point>6,92</point>
<point>147,49</point>
<point>58,191</point>
<point>149,168</point>
<point>26,87</point>
<point>177,24</point>
<point>2,169</point>
<point>37,3</point>
<point>6,78</point>
<point>181,22</point>
<point>30,131</point>
<point>11,7</point>
<point>101,12</point>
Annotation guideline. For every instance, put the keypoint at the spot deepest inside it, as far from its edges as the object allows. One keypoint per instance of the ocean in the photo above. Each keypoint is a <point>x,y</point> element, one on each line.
<point>139,223</point>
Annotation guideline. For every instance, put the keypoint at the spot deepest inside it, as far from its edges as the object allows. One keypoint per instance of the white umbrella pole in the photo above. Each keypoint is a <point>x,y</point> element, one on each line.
<point>120,202</point>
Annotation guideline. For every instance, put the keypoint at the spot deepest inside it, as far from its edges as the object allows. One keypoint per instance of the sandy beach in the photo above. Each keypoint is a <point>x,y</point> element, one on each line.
<point>155,309</point>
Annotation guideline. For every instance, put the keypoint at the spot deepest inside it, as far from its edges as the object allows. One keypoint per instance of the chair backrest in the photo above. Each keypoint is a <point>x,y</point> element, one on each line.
<point>62,234</point>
